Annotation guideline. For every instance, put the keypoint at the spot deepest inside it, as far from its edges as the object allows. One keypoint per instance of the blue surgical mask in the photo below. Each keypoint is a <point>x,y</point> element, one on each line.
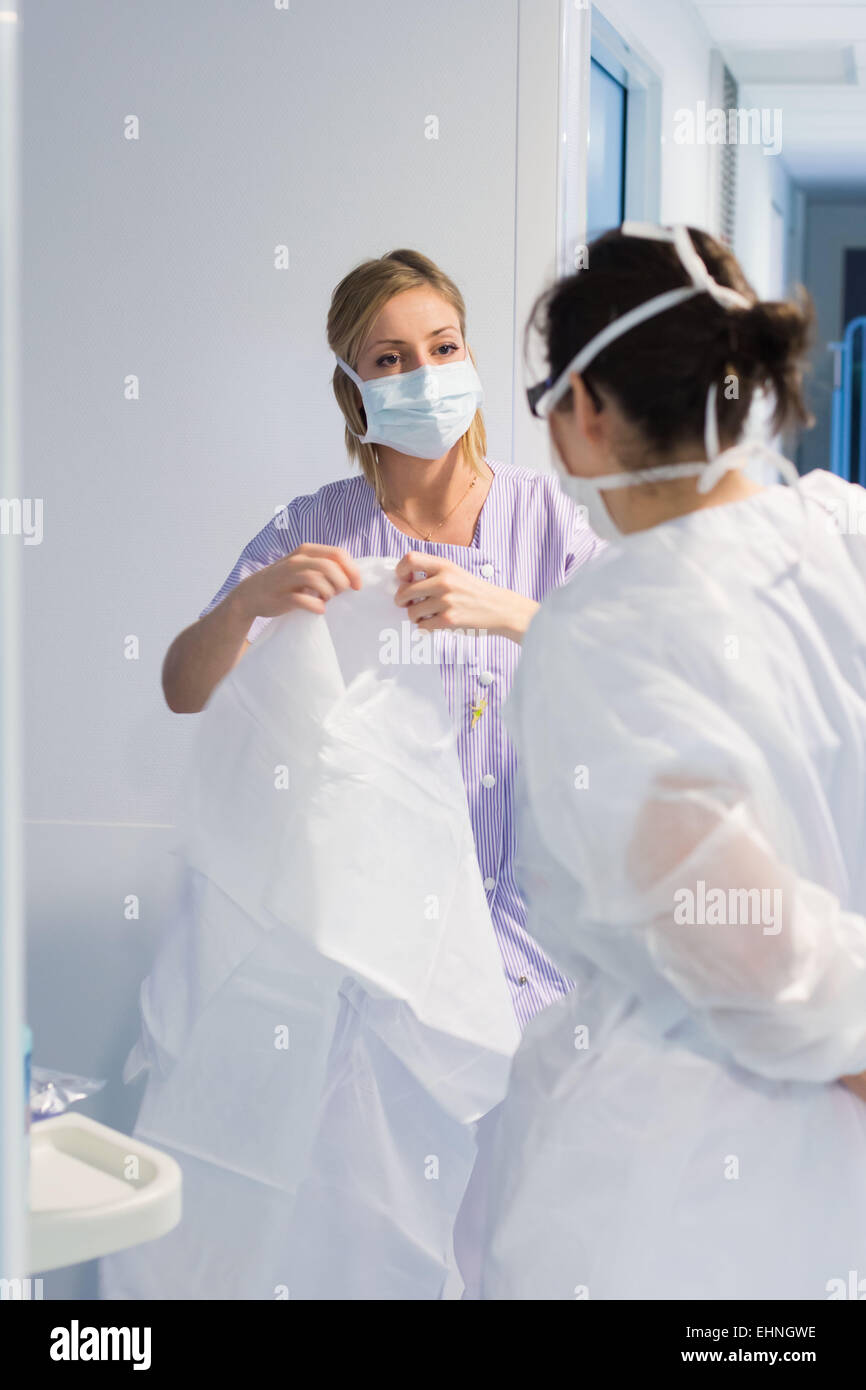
<point>421,413</point>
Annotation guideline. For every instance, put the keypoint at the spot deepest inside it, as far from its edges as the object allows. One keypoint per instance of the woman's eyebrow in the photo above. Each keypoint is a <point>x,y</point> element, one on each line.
<point>400,342</point>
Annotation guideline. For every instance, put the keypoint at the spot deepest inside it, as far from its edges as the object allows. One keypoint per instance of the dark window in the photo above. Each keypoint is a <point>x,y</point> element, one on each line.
<point>605,184</point>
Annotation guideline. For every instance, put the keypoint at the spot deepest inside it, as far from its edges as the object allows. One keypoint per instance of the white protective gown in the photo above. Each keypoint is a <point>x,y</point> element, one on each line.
<point>329,1017</point>
<point>690,719</point>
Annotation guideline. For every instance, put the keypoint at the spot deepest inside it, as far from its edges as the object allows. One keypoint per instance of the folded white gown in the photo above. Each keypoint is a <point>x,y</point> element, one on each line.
<point>690,719</point>
<point>329,1016</point>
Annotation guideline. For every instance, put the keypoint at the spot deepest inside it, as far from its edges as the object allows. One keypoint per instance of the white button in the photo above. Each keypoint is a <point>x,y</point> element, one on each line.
<point>485,677</point>
<point>489,883</point>
<point>487,570</point>
<point>488,780</point>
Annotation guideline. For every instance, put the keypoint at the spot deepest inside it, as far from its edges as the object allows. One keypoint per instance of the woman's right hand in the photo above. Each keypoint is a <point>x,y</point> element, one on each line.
<point>856,1083</point>
<point>307,578</point>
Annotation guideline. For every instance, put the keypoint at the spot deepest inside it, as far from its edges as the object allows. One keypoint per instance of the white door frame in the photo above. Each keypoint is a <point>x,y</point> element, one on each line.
<point>555,44</point>
<point>538,193</point>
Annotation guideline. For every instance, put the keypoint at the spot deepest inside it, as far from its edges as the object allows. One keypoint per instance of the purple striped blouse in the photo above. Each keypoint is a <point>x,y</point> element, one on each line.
<point>529,537</point>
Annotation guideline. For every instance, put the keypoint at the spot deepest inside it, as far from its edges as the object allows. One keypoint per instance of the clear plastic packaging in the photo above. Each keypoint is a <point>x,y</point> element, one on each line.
<point>52,1092</point>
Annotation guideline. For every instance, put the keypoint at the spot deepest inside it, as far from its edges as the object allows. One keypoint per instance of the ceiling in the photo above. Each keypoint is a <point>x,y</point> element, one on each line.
<point>808,59</point>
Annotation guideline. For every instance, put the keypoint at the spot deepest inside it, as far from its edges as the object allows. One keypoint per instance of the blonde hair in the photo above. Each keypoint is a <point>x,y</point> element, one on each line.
<point>355,305</point>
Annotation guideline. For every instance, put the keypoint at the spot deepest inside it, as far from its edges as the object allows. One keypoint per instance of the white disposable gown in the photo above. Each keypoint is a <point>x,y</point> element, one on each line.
<point>690,720</point>
<point>329,1017</point>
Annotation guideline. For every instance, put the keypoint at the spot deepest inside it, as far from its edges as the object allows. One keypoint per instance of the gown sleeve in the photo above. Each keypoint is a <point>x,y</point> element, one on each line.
<point>662,818</point>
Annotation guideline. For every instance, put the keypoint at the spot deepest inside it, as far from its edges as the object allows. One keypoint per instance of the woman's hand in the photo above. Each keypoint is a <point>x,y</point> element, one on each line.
<point>856,1083</point>
<point>450,597</point>
<point>305,579</point>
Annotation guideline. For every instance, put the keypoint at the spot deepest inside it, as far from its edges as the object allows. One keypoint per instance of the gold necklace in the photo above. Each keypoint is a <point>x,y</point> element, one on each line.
<point>439,524</point>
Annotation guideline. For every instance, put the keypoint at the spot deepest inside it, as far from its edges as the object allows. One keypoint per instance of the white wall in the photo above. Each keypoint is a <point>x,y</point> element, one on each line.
<point>155,257</point>
<point>762,182</point>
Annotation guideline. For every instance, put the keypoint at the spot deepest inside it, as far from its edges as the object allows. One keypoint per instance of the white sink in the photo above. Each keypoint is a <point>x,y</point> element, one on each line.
<point>94,1190</point>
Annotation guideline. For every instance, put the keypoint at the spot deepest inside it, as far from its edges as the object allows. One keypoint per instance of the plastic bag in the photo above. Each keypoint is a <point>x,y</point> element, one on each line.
<point>52,1092</point>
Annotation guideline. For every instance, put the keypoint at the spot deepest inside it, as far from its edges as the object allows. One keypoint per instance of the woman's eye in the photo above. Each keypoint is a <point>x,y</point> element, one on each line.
<point>446,349</point>
<point>390,359</point>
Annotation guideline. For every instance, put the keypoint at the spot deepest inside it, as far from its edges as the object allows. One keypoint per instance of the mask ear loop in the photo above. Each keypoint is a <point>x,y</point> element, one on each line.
<point>719,461</point>
<point>739,455</point>
<point>712,446</point>
<point>353,376</point>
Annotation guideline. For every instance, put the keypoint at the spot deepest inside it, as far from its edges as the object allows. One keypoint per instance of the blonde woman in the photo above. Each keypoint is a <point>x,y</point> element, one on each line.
<point>490,540</point>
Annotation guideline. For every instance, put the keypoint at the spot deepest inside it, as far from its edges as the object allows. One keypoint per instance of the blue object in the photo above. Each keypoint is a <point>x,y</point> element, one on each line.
<point>848,419</point>
<point>27,1049</point>
<point>605,174</point>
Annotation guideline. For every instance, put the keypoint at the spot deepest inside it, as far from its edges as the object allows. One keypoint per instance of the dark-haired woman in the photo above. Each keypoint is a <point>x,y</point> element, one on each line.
<point>690,722</point>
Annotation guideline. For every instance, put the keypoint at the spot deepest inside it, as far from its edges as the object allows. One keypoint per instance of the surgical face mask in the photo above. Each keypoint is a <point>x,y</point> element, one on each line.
<point>420,413</point>
<point>586,492</point>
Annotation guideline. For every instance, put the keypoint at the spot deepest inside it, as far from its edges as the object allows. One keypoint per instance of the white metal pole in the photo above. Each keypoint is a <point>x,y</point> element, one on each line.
<point>13,1214</point>
<point>538,168</point>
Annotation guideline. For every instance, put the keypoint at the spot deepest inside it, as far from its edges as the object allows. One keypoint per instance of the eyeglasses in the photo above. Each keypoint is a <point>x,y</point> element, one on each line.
<point>535,393</point>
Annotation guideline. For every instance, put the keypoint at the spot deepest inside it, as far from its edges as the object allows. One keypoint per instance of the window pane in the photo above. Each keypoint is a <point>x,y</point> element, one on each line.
<point>606,166</point>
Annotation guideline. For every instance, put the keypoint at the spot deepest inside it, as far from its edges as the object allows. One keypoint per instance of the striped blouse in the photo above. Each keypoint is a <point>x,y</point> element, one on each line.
<point>529,537</point>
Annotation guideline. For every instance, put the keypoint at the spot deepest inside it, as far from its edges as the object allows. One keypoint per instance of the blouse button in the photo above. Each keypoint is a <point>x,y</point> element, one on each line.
<point>489,883</point>
<point>488,780</point>
<point>485,678</point>
<point>523,980</point>
<point>487,570</point>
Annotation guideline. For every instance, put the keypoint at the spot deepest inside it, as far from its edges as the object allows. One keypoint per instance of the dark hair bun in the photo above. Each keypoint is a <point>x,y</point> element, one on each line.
<point>781,330</point>
<point>778,335</point>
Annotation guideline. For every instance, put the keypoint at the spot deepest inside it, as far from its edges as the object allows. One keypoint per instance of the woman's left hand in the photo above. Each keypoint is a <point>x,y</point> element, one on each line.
<point>450,597</point>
